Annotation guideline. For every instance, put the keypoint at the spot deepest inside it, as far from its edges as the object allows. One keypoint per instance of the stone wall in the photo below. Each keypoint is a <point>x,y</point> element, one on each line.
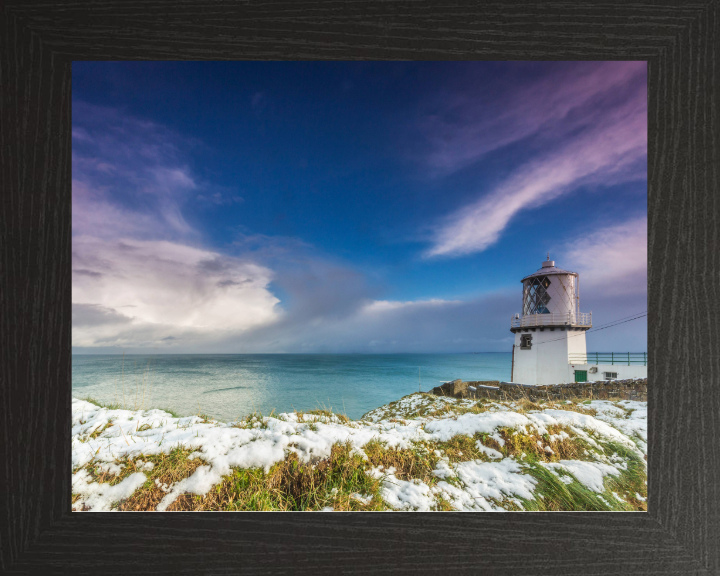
<point>459,389</point>
<point>632,389</point>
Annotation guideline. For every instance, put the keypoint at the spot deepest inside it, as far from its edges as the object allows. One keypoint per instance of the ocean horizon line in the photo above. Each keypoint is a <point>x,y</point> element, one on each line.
<point>277,353</point>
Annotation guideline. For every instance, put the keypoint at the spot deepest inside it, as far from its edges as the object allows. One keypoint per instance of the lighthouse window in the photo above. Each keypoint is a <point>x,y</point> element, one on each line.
<point>525,341</point>
<point>536,297</point>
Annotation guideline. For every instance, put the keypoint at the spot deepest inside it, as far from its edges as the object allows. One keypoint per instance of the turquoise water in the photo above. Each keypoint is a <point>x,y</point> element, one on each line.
<point>228,386</point>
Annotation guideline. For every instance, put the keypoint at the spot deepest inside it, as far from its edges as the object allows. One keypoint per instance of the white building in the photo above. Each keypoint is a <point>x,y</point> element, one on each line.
<point>550,335</point>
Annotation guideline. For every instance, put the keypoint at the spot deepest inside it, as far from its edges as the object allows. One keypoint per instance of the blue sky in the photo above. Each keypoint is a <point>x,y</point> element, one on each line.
<point>351,207</point>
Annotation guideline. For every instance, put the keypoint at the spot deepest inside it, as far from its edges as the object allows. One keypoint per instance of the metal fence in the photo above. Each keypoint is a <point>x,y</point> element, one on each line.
<point>622,358</point>
<point>569,319</point>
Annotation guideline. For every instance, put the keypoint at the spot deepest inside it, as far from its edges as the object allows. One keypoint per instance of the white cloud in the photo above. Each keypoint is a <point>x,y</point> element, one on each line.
<point>480,324</point>
<point>380,306</point>
<point>151,290</point>
<point>612,260</point>
<point>138,277</point>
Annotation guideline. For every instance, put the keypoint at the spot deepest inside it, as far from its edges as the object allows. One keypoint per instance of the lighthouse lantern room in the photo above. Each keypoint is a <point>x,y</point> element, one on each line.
<point>551,329</point>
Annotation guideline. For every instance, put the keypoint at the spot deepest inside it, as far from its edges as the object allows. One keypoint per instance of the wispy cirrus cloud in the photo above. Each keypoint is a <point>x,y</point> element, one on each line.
<point>146,279</point>
<point>129,176</point>
<point>591,130</point>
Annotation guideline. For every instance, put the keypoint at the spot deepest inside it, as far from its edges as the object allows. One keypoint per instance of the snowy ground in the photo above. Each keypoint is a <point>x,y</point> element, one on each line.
<point>103,439</point>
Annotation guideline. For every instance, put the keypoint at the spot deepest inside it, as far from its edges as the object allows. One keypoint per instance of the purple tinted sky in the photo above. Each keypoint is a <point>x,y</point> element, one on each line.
<point>351,207</point>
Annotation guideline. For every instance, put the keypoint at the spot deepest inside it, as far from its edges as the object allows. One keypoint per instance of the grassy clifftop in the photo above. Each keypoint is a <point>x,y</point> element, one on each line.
<point>422,452</point>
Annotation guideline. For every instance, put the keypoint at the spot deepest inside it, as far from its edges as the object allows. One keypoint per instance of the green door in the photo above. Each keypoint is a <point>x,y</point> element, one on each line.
<point>580,375</point>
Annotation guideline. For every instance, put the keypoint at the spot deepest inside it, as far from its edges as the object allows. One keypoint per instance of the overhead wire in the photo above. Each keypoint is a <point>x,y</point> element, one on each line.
<point>631,317</point>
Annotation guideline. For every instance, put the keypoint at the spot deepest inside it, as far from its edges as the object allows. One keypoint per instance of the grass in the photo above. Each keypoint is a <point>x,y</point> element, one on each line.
<point>569,447</point>
<point>430,406</point>
<point>167,469</point>
<point>289,485</point>
<point>552,494</point>
<point>336,481</point>
<point>462,448</point>
<point>292,485</point>
<point>632,480</point>
<point>328,415</point>
<point>171,412</point>
<point>254,420</point>
<point>417,462</point>
<point>311,418</point>
<point>100,430</point>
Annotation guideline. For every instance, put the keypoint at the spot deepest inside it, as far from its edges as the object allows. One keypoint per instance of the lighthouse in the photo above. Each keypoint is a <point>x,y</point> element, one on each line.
<point>550,331</point>
<point>550,344</point>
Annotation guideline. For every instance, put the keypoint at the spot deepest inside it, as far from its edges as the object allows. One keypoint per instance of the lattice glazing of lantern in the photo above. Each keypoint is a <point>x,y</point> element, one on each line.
<point>552,291</point>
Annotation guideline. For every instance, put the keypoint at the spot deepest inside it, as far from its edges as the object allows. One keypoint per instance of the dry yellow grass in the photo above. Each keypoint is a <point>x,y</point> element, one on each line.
<point>418,462</point>
<point>167,469</point>
<point>517,443</point>
<point>292,485</point>
<point>345,480</point>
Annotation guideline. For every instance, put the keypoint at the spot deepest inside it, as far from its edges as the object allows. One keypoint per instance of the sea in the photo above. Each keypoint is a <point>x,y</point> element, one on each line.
<point>231,386</point>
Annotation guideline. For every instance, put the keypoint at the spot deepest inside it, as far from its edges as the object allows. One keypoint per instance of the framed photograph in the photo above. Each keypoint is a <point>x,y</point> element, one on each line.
<point>330,258</point>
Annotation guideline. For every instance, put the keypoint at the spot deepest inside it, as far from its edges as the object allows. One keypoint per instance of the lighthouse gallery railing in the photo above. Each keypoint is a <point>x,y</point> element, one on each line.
<point>622,358</point>
<point>569,319</point>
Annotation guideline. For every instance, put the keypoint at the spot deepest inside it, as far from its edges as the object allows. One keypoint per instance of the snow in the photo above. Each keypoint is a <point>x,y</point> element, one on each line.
<point>111,468</point>
<point>364,498</point>
<point>100,497</point>
<point>200,482</point>
<point>632,423</point>
<point>578,420</point>
<point>499,439</point>
<point>487,451</point>
<point>470,485</point>
<point>443,468</point>
<point>485,480</point>
<point>470,424</point>
<point>591,474</point>
<point>485,484</point>
<point>403,494</point>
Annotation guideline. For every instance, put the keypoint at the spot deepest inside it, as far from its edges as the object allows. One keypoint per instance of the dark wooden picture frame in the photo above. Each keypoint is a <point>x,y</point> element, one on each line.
<point>680,534</point>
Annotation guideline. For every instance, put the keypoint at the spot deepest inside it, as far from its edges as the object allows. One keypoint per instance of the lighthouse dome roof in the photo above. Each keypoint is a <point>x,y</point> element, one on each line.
<point>547,271</point>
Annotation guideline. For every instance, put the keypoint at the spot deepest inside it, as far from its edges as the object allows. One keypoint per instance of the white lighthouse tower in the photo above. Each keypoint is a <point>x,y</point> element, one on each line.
<point>550,332</point>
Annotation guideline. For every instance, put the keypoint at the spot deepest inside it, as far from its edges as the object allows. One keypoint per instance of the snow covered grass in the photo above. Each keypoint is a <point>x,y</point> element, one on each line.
<point>422,452</point>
